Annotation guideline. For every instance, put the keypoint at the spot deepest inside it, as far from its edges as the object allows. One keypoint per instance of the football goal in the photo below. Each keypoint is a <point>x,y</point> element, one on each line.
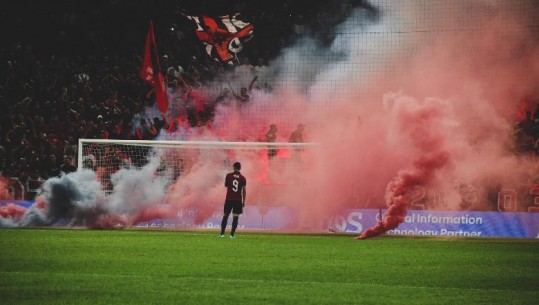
<point>174,159</point>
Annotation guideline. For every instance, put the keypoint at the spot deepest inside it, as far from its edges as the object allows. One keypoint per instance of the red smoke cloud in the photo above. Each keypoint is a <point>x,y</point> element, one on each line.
<point>12,210</point>
<point>400,191</point>
<point>426,127</point>
<point>478,74</point>
<point>4,192</point>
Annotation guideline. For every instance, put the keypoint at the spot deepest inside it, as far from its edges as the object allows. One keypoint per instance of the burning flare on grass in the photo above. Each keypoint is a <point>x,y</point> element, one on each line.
<point>427,126</point>
<point>399,191</point>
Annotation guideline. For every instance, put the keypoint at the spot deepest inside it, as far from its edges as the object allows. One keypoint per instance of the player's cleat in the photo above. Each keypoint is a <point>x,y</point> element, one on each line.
<point>232,236</point>
<point>222,235</point>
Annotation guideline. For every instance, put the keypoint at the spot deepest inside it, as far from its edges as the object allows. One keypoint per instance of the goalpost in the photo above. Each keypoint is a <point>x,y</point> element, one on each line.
<point>173,159</point>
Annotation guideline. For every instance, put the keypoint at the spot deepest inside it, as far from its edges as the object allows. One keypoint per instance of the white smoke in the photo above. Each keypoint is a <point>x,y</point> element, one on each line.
<point>135,188</point>
<point>72,195</point>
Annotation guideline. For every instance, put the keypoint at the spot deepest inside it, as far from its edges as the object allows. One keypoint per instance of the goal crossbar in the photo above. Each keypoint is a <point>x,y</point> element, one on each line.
<point>191,144</point>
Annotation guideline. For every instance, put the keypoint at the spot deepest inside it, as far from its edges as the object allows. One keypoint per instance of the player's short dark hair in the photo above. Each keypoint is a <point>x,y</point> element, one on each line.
<point>237,166</point>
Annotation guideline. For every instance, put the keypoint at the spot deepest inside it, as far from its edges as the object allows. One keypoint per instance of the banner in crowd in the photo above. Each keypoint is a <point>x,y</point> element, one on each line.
<point>223,37</point>
<point>150,71</point>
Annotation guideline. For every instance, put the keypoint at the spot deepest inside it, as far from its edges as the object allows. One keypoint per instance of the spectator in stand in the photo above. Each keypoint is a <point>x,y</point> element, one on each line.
<point>271,137</point>
<point>224,96</point>
<point>524,134</point>
<point>528,124</point>
<point>262,72</point>
<point>243,73</point>
<point>51,167</point>
<point>88,163</point>
<point>297,137</point>
<point>145,131</point>
<point>158,124</point>
<point>117,131</point>
<point>244,93</point>
<point>122,159</point>
<point>67,167</point>
<point>536,113</point>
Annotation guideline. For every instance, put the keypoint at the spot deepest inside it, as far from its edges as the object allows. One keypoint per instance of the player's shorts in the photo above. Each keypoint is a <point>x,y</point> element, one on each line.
<point>235,207</point>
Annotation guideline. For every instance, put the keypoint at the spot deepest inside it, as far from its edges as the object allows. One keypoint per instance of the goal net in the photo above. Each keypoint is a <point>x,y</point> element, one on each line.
<point>267,163</point>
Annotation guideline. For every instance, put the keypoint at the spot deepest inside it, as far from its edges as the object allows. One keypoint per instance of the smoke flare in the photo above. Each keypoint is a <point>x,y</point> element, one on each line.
<point>399,191</point>
<point>426,126</point>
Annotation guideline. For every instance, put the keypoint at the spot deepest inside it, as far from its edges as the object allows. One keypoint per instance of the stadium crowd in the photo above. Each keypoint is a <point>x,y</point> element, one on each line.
<point>71,70</point>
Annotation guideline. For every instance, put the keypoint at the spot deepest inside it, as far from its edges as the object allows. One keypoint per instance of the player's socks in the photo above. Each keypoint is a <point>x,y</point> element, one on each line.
<point>234,225</point>
<point>223,224</point>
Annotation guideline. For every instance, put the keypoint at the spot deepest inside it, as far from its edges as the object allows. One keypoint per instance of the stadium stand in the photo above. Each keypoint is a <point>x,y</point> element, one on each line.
<point>70,71</point>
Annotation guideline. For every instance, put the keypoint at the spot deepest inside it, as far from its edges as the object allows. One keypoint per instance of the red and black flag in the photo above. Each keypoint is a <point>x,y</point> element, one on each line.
<point>150,71</point>
<point>223,36</point>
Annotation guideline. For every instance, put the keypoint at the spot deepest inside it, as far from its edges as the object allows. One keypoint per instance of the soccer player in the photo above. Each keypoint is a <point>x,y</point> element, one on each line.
<point>236,192</point>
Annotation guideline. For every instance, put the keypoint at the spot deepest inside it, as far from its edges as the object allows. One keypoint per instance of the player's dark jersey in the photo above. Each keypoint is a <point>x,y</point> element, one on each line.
<point>234,183</point>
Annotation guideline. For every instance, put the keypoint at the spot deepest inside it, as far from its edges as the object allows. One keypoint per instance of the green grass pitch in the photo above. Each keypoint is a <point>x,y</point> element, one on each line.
<point>55,266</point>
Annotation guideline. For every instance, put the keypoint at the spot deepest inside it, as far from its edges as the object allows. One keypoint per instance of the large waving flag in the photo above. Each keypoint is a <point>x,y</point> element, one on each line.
<point>150,71</point>
<point>223,36</point>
